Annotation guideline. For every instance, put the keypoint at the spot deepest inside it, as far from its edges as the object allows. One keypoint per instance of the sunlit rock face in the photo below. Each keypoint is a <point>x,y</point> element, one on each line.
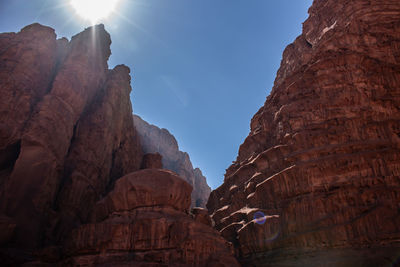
<point>322,160</point>
<point>66,139</point>
<point>156,140</point>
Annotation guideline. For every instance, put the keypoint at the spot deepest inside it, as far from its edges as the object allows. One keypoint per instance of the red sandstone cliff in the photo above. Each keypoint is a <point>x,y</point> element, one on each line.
<point>66,139</point>
<point>322,160</point>
<point>156,140</point>
<point>145,220</point>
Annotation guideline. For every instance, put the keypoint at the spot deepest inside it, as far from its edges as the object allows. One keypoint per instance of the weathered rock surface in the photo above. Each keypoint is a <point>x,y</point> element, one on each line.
<point>28,60</point>
<point>66,138</point>
<point>201,215</point>
<point>29,190</point>
<point>144,221</point>
<point>90,169</point>
<point>322,160</point>
<point>152,161</point>
<point>156,140</point>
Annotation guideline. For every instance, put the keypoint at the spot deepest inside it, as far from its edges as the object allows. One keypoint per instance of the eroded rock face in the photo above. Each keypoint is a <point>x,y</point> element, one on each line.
<point>322,160</point>
<point>156,140</point>
<point>66,138</point>
<point>201,215</point>
<point>91,169</point>
<point>30,189</point>
<point>66,130</point>
<point>145,221</point>
<point>28,60</point>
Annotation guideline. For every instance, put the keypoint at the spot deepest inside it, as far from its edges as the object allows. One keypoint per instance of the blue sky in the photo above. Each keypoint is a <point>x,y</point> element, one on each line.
<point>200,69</point>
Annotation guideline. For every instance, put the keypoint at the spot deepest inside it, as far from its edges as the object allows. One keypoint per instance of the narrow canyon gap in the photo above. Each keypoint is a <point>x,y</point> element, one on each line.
<point>316,182</point>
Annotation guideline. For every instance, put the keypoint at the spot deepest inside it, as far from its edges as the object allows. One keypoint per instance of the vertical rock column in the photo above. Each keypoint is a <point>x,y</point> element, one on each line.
<point>27,63</point>
<point>29,192</point>
<point>104,148</point>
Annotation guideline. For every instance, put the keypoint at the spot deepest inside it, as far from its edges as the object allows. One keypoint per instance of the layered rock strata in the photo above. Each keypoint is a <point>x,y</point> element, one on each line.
<point>317,180</point>
<point>144,221</point>
<point>66,138</point>
<point>156,140</point>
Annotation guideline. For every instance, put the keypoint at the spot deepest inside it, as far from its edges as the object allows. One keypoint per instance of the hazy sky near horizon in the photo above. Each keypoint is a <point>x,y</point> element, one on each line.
<point>200,69</point>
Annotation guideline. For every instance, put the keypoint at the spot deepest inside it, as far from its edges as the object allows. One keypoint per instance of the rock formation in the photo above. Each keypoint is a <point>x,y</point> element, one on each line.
<point>152,161</point>
<point>156,140</point>
<point>66,138</point>
<point>145,220</point>
<point>317,181</point>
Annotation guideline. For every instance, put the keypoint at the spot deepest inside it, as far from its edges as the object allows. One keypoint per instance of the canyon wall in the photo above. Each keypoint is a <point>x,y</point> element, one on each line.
<point>156,140</point>
<point>317,181</point>
<point>72,191</point>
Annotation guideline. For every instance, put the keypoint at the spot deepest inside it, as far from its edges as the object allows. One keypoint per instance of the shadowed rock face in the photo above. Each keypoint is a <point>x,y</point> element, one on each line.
<point>66,138</point>
<point>43,134</point>
<point>156,140</point>
<point>152,161</point>
<point>64,134</point>
<point>105,146</point>
<point>322,160</point>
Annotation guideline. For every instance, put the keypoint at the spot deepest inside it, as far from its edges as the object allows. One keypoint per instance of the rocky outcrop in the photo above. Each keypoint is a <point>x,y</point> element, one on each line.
<point>66,131</point>
<point>40,142</point>
<point>90,169</point>
<point>156,140</point>
<point>66,139</point>
<point>145,221</point>
<point>316,182</point>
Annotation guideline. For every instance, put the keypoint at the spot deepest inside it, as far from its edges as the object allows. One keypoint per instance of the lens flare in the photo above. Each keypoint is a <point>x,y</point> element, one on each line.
<point>271,225</point>
<point>94,10</point>
<point>259,217</point>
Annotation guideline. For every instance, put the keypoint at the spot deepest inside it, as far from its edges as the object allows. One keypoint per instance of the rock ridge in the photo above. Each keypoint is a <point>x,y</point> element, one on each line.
<point>137,210</point>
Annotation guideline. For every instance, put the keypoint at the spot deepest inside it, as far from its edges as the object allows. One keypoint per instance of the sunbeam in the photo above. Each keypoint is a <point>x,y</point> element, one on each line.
<point>94,10</point>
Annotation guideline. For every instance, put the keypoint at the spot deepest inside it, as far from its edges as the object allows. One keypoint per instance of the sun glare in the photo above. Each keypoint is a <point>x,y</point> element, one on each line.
<point>94,10</point>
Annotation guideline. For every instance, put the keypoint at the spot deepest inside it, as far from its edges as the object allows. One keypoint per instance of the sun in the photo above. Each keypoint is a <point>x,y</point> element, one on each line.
<point>94,10</point>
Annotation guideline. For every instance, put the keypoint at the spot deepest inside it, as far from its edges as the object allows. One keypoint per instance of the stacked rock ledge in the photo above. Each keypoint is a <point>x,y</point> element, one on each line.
<point>145,219</point>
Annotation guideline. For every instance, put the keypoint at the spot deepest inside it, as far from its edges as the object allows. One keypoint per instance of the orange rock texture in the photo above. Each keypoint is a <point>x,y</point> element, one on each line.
<point>156,140</point>
<point>66,139</point>
<point>317,181</point>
